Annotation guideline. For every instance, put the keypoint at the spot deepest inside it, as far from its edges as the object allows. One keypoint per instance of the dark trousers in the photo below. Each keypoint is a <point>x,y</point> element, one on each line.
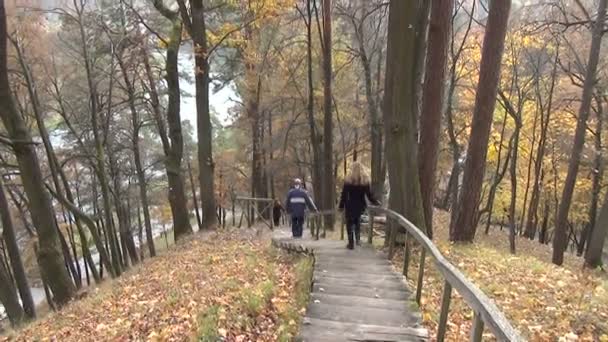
<point>277,219</point>
<point>353,228</point>
<point>297,226</point>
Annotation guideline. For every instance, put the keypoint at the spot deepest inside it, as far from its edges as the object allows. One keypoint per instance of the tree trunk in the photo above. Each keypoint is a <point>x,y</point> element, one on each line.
<point>99,143</point>
<point>593,256</point>
<point>464,227</point>
<point>140,233</point>
<point>95,232</point>
<point>8,296</point>
<point>50,260</point>
<point>174,149</point>
<point>160,123</point>
<point>71,237</point>
<point>328,188</point>
<point>141,174</point>
<point>560,240</point>
<point>372,107</point>
<point>529,172</point>
<point>513,172</point>
<point>10,240</point>
<point>129,252</point>
<point>197,212</point>
<point>432,103</point>
<point>542,235</point>
<point>177,189</point>
<point>598,173</point>
<point>400,111</point>
<point>315,139</point>
<point>531,224</point>
<point>198,32</point>
<point>32,91</point>
<point>501,171</point>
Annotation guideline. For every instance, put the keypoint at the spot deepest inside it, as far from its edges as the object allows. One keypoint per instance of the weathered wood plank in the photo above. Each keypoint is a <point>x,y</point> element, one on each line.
<point>356,295</point>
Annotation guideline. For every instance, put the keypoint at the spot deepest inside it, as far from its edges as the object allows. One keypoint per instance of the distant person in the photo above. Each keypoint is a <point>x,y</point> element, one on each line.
<point>277,210</point>
<point>352,200</point>
<point>297,202</point>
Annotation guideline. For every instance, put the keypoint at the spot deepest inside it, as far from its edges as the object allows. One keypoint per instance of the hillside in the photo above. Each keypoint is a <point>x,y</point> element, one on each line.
<point>218,285</point>
<point>545,302</point>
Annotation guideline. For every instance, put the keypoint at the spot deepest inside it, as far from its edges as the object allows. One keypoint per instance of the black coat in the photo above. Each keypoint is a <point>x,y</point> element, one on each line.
<point>353,197</point>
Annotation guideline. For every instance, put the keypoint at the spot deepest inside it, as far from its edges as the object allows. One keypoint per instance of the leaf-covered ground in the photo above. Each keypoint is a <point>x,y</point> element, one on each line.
<point>545,302</point>
<point>222,287</point>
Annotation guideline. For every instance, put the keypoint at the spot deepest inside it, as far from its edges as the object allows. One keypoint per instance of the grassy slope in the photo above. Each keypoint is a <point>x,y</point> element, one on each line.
<point>543,301</point>
<point>223,285</point>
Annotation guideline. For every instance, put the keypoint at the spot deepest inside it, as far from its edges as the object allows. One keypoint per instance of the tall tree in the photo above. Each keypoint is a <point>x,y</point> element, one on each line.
<point>136,125</point>
<point>368,24</point>
<point>432,103</point>
<point>55,167</point>
<point>560,240</point>
<point>598,174</point>
<point>174,150</point>
<point>49,256</point>
<point>328,122</point>
<point>545,116</point>
<point>97,126</point>
<point>463,228</point>
<point>315,138</point>
<point>194,21</point>
<point>400,110</point>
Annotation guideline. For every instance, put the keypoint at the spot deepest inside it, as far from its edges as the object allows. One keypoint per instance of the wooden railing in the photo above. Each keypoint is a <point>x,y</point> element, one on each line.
<point>486,312</point>
<point>315,223</point>
<point>251,210</point>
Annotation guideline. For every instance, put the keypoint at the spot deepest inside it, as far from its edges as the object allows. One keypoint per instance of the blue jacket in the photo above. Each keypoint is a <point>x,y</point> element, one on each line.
<point>297,201</point>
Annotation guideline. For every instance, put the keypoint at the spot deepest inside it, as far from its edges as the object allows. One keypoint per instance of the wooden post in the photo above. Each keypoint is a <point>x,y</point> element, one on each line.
<point>406,255</point>
<point>233,214</point>
<point>271,219</point>
<point>311,225</point>
<point>342,227</point>
<point>370,235</point>
<point>250,217</point>
<point>325,227</point>
<point>445,308</point>
<point>393,236</point>
<point>420,276</point>
<point>241,220</point>
<point>223,218</point>
<point>477,329</point>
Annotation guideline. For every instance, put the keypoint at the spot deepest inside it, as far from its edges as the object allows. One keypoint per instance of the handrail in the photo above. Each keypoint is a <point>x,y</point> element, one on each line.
<point>254,199</point>
<point>251,212</point>
<point>314,222</point>
<point>486,312</point>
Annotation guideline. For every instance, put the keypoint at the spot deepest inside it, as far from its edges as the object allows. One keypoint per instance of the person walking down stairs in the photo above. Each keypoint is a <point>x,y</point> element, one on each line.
<point>353,201</point>
<point>297,202</point>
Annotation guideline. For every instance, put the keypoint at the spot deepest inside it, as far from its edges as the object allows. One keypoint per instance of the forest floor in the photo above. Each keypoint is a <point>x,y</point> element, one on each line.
<point>543,301</point>
<point>215,286</point>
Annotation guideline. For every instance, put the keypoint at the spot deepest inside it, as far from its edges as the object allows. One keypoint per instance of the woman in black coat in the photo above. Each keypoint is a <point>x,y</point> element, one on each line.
<point>356,189</point>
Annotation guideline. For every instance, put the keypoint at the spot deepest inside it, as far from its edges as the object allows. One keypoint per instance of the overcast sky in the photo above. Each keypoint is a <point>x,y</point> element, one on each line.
<point>221,101</point>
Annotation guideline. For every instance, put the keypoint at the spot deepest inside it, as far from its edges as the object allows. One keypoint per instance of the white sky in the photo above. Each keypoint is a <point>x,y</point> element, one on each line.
<point>220,101</point>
